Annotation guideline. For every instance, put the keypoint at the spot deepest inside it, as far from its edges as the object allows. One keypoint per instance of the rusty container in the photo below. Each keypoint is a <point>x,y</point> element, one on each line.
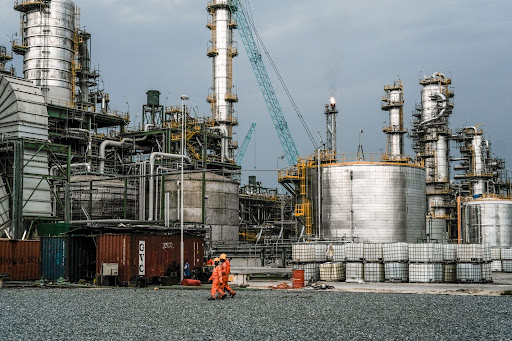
<point>20,259</point>
<point>146,256</point>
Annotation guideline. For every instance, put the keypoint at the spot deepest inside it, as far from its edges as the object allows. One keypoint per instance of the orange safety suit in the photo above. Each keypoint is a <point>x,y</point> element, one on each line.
<point>209,262</point>
<point>226,270</point>
<point>217,278</point>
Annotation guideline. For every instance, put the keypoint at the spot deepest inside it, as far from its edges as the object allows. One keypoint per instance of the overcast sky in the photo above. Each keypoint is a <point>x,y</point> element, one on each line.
<point>345,49</point>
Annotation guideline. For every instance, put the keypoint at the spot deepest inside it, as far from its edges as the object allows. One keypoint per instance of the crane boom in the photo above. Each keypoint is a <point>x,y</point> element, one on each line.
<point>245,144</point>
<point>267,90</point>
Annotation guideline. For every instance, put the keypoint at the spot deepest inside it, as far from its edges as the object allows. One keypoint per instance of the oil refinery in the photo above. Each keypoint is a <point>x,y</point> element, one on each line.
<point>76,172</point>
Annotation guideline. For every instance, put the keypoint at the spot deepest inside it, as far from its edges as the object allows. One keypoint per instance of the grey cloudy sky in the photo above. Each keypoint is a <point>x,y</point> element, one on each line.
<point>346,49</point>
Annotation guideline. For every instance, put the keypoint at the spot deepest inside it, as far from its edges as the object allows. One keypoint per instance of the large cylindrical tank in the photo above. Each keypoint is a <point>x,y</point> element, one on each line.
<point>372,202</point>
<point>102,198</point>
<point>220,203</point>
<point>487,221</point>
<point>49,35</point>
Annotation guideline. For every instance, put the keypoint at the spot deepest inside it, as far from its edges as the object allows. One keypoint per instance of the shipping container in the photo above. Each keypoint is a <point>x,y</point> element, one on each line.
<point>82,258</point>
<point>20,259</point>
<point>69,257</point>
<point>54,258</point>
<point>146,256</point>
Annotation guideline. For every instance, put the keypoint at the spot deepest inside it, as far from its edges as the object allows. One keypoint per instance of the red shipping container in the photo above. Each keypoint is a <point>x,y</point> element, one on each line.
<point>146,256</point>
<point>20,259</point>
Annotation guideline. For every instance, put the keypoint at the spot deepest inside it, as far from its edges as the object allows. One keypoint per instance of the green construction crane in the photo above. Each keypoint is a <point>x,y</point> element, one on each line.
<point>274,108</point>
<point>245,144</point>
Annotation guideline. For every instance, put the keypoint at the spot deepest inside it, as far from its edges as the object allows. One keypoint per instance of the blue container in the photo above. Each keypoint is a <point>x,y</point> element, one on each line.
<point>54,257</point>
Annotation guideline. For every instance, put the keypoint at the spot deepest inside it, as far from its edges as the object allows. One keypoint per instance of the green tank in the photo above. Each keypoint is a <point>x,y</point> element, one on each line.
<point>153,97</point>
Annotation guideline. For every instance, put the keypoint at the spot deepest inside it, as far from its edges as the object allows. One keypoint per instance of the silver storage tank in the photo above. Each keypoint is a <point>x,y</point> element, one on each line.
<point>49,36</point>
<point>372,202</point>
<point>488,221</point>
<point>221,203</point>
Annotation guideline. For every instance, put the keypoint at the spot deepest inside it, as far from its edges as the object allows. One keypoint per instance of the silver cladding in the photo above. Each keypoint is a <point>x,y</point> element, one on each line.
<point>23,112</point>
<point>49,36</point>
<point>488,221</point>
<point>388,202</point>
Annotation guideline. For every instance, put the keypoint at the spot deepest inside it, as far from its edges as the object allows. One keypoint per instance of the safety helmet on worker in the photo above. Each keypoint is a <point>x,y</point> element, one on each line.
<point>223,256</point>
<point>216,259</point>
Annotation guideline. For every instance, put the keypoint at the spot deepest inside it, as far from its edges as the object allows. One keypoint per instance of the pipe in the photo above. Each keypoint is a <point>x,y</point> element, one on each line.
<point>458,220</point>
<point>224,145</point>
<point>441,114</point>
<point>53,169</point>
<point>319,194</point>
<point>89,137</point>
<point>115,221</point>
<point>117,144</point>
<point>151,191</point>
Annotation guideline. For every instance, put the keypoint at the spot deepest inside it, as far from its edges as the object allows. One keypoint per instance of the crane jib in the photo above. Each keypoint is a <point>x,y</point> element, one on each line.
<point>267,90</point>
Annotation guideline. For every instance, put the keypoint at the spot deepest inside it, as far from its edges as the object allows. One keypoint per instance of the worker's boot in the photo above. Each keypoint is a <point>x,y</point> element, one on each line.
<point>233,293</point>
<point>223,296</point>
<point>211,298</point>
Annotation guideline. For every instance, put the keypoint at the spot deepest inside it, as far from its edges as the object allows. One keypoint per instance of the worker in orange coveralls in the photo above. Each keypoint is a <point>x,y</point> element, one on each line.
<point>209,262</point>
<point>226,270</point>
<point>217,281</point>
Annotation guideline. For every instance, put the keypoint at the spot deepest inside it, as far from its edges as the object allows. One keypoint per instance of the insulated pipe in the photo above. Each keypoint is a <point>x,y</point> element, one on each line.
<point>151,190</point>
<point>441,114</point>
<point>117,144</point>
<point>53,169</point>
<point>224,145</point>
<point>89,135</point>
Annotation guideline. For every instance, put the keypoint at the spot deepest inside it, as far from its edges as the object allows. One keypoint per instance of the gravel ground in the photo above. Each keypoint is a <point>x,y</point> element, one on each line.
<point>144,314</point>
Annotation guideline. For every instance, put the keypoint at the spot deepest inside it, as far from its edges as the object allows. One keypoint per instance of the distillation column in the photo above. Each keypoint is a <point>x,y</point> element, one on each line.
<point>477,162</point>
<point>48,46</point>
<point>221,23</point>
<point>431,136</point>
<point>330,116</point>
<point>393,102</point>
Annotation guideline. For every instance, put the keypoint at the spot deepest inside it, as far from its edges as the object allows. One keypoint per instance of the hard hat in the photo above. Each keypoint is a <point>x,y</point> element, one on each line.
<point>216,260</point>
<point>223,256</point>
